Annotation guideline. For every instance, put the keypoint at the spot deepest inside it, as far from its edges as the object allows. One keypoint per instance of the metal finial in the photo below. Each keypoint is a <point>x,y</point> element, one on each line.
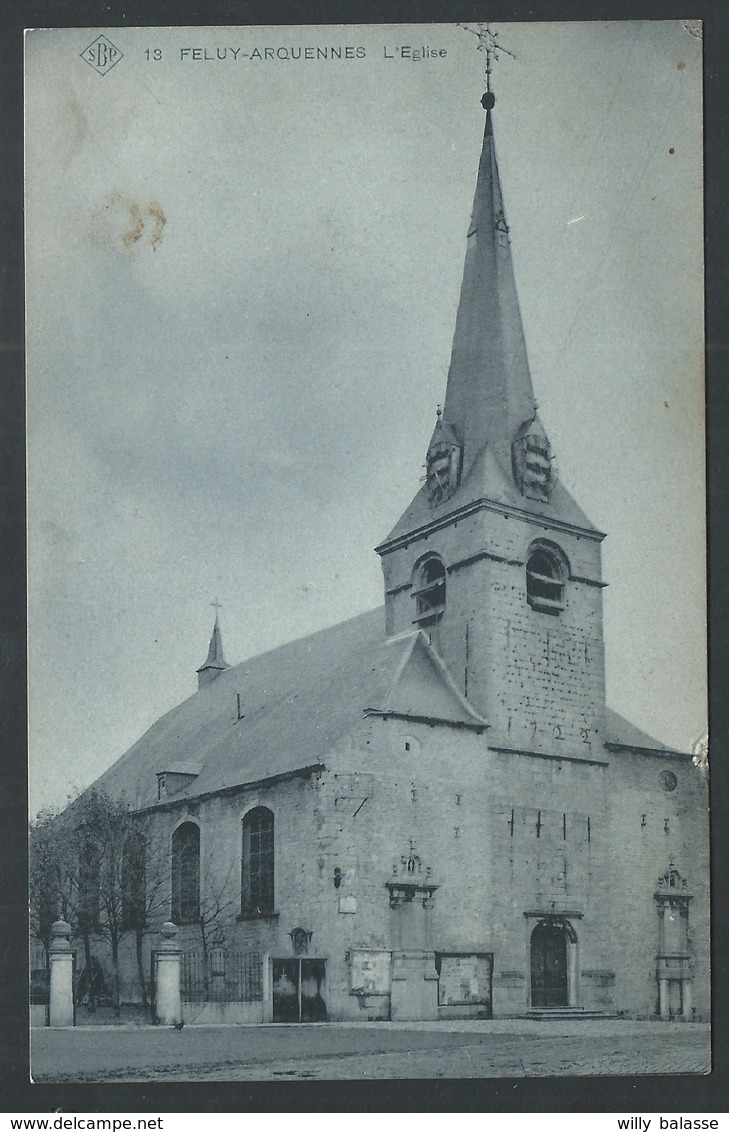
<point>216,606</point>
<point>487,43</point>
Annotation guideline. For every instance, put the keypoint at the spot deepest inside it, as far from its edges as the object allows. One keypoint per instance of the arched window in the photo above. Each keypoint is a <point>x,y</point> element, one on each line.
<point>429,590</point>
<point>545,579</point>
<point>257,863</point>
<point>186,873</point>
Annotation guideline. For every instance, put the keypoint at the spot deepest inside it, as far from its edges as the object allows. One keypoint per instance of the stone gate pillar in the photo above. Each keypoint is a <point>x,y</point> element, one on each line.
<point>168,961</point>
<point>60,957</point>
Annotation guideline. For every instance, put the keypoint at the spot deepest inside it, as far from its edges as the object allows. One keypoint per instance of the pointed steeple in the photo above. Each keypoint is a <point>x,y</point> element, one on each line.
<point>489,395</point>
<point>215,662</point>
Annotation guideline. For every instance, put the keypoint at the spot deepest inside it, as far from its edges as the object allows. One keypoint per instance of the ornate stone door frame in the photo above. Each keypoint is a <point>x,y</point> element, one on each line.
<point>563,920</point>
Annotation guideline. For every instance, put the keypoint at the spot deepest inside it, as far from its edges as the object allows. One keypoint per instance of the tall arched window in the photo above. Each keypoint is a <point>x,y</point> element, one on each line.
<point>429,590</point>
<point>257,863</point>
<point>186,873</point>
<point>545,579</point>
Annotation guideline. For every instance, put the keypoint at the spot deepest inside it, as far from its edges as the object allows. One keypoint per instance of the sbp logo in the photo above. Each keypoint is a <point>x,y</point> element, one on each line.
<point>102,55</point>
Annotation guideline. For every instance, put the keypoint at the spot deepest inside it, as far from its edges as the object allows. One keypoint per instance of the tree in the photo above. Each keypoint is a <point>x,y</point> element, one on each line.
<point>46,857</point>
<point>145,888</point>
<point>218,900</point>
<point>115,898</point>
<point>92,865</point>
<point>59,878</point>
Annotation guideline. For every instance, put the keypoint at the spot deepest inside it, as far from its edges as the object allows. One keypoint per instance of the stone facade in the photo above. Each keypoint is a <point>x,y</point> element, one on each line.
<point>504,839</point>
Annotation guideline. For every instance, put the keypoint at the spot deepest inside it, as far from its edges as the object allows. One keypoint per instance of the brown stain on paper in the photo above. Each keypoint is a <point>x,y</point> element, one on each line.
<point>123,222</point>
<point>136,231</point>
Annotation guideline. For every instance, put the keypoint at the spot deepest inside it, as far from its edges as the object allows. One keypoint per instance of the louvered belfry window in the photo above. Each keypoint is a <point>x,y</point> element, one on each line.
<point>257,863</point>
<point>545,578</point>
<point>533,462</point>
<point>537,467</point>
<point>430,591</point>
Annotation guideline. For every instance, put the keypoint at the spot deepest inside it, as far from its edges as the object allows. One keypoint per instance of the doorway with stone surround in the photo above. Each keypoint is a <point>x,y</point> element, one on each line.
<point>553,964</point>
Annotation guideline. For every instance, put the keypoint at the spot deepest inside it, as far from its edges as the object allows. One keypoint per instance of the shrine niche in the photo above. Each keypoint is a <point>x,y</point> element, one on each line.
<point>673,964</point>
<point>300,940</point>
<point>411,890</point>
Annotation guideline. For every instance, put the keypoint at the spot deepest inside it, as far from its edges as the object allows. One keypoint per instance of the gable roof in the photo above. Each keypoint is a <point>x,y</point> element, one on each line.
<point>423,688</point>
<point>296,701</point>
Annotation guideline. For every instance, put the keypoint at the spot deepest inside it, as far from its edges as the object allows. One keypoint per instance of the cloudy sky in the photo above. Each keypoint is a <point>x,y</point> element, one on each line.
<point>243,275</point>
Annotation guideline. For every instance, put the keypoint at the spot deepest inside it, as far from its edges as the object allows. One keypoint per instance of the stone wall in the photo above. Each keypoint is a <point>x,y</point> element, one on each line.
<point>537,679</point>
<point>505,837</point>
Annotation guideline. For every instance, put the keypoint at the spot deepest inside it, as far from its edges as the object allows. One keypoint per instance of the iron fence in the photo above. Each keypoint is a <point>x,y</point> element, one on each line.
<point>220,975</point>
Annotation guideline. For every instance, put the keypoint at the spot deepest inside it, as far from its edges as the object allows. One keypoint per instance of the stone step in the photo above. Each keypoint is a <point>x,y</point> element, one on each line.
<point>566,1013</point>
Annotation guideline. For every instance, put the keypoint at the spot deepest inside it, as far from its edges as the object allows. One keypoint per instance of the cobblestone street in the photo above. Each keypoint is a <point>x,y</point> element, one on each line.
<point>370,1051</point>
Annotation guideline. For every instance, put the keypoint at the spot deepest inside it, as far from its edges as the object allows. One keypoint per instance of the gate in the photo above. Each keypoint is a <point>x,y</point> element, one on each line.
<point>221,976</point>
<point>221,985</point>
<point>299,990</point>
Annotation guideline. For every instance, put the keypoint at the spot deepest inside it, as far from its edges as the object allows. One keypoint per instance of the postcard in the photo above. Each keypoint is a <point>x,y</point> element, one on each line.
<point>367,551</point>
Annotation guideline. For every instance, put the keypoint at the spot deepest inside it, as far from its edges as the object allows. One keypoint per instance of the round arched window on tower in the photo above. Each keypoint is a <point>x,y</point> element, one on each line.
<point>429,590</point>
<point>546,574</point>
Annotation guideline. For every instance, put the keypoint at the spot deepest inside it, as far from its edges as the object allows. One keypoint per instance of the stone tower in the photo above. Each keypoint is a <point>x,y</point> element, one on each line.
<point>493,559</point>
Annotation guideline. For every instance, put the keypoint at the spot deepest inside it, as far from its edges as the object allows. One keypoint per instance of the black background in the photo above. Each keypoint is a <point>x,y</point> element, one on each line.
<point>603,1094</point>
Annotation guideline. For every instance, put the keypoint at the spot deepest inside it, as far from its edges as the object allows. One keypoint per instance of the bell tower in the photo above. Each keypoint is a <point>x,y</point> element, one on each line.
<point>493,559</point>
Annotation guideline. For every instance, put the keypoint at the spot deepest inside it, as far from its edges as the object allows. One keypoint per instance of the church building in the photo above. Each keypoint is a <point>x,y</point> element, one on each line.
<point>429,811</point>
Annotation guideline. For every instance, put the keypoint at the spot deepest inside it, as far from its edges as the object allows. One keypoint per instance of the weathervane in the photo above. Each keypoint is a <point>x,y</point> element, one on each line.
<point>487,43</point>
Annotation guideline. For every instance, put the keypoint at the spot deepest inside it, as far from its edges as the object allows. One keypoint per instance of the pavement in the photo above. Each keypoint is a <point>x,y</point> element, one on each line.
<point>370,1050</point>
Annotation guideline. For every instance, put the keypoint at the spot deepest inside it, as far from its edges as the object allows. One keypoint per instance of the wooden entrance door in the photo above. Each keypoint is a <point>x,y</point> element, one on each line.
<point>299,990</point>
<point>549,966</point>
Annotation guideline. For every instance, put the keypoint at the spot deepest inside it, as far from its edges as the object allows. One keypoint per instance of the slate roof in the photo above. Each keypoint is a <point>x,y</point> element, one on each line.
<point>619,732</point>
<point>215,658</point>
<point>297,701</point>
<point>489,393</point>
<point>486,480</point>
<point>489,396</point>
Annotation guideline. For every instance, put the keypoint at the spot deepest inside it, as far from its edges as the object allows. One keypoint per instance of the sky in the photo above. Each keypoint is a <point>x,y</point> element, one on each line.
<point>242,281</point>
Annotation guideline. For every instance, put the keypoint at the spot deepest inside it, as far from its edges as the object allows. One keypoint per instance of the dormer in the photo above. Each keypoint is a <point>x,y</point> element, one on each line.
<point>532,461</point>
<point>176,778</point>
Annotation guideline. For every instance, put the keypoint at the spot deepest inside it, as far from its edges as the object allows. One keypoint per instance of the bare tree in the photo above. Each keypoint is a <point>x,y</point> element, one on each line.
<point>218,900</point>
<point>146,888</point>
<point>92,865</point>
<point>59,879</point>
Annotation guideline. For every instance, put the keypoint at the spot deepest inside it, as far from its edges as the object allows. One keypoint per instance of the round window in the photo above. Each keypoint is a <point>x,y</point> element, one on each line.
<point>669,780</point>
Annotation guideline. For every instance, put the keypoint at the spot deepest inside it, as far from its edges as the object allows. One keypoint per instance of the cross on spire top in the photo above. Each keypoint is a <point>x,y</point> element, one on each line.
<point>216,606</point>
<point>487,43</point>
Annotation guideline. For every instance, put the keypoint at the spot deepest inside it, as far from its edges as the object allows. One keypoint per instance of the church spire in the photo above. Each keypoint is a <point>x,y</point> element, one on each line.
<point>215,662</point>
<point>489,396</point>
